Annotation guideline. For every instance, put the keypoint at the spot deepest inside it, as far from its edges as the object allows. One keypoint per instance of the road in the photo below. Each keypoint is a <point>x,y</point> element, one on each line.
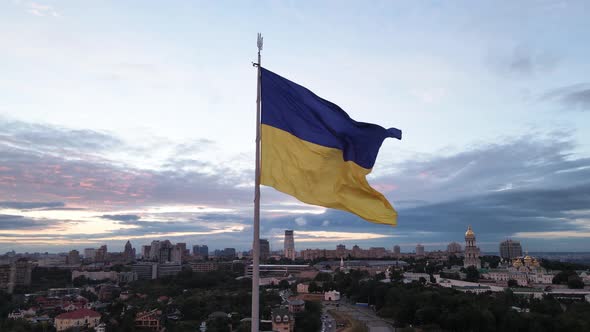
<point>328,322</point>
<point>365,315</point>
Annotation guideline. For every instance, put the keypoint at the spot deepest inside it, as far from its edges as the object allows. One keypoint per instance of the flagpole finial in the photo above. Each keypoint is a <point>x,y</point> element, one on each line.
<point>259,42</point>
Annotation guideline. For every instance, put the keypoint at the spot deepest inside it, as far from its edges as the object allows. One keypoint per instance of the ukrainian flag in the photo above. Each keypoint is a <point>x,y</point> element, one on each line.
<point>312,150</point>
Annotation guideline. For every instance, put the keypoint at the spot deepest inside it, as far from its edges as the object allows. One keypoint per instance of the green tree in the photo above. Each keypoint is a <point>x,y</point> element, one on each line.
<point>472,274</point>
<point>563,277</point>
<point>284,284</point>
<point>313,287</point>
<point>396,275</point>
<point>322,276</point>
<point>575,282</point>
<point>512,283</point>
<point>310,319</point>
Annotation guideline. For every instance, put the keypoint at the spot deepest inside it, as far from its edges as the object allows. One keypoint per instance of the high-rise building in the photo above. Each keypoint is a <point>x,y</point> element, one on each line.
<point>15,274</point>
<point>90,254</point>
<point>357,252</point>
<point>129,252</point>
<point>183,249</point>
<point>73,257</point>
<point>377,252</point>
<point>154,250</point>
<point>510,249</point>
<point>201,251</point>
<point>101,254</point>
<point>165,252</point>
<point>454,248</point>
<point>5,277</point>
<point>145,252</point>
<point>419,250</point>
<point>22,272</point>
<point>471,250</point>
<point>289,251</point>
<point>264,249</point>
<point>176,254</point>
<point>397,251</point>
<point>229,253</point>
<point>341,251</point>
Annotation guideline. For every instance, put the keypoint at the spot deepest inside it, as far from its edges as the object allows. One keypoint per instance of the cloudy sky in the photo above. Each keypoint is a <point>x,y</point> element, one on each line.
<point>135,120</point>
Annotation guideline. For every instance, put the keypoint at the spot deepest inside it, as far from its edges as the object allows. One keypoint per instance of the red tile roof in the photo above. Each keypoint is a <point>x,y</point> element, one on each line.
<point>78,314</point>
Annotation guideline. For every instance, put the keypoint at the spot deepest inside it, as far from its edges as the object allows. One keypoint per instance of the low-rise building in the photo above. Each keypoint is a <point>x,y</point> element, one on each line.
<point>296,305</point>
<point>282,320</point>
<point>473,289</point>
<point>536,293</point>
<point>525,271</point>
<point>95,275</point>
<point>81,318</point>
<point>303,288</point>
<point>145,270</point>
<point>149,320</point>
<point>168,269</point>
<point>414,276</point>
<point>332,296</point>
<point>102,327</point>
<point>204,266</point>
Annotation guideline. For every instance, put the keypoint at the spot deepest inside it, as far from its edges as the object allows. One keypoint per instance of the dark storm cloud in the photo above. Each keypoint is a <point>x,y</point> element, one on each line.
<point>175,222</point>
<point>31,205</point>
<point>572,97</point>
<point>525,184</point>
<point>42,162</point>
<point>506,212</point>
<point>121,217</point>
<point>529,184</point>
<point>523,163</point>
<point>522,61</point>
<point>156,227</point>
<point>14,222</point>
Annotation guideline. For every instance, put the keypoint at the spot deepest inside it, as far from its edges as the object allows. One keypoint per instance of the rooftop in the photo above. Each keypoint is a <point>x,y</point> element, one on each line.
<point>78,314</point>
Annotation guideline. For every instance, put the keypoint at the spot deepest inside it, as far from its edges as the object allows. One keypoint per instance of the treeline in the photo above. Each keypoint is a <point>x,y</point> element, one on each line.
<point>435,308</point>
<point>562,266</point>
<point>195,295</point>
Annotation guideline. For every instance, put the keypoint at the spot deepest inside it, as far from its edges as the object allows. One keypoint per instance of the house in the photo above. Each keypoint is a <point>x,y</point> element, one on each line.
<point>302,288</point>
<point>149,320</point>
<point>296,305</point>
<point>102,327</point>
<point>282,320</point>
<point>78,318</point>
<point>48,303</point>
<point>332,296</point>
<point>16,315</point>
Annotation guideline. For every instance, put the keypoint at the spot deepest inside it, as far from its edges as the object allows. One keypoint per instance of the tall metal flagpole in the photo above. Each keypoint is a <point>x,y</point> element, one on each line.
<point>256,244</point>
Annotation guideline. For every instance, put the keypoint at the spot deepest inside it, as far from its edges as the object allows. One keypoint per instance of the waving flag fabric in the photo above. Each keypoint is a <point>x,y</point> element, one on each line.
<point>312,150</point>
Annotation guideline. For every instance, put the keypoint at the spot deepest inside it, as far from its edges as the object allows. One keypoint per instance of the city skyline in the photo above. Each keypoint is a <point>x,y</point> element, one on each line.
<point>145,130</point>
<point>451,247</point>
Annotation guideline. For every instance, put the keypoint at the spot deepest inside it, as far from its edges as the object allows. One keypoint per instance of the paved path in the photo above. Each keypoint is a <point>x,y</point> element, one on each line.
<point>366,316</point>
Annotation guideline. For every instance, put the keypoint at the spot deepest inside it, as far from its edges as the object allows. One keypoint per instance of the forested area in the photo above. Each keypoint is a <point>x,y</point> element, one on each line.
<point>433,308</point>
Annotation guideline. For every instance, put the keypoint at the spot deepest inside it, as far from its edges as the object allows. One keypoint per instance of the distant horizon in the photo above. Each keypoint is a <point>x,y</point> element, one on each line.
<point>119,123</point>
<point>211,249</point>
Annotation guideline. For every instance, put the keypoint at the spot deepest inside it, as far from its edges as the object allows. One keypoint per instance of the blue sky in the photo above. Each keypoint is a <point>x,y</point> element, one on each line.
<point>135,120</point>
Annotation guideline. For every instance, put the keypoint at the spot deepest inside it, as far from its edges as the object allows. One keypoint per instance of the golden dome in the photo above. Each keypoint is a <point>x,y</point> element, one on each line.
<point>469,232</point>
